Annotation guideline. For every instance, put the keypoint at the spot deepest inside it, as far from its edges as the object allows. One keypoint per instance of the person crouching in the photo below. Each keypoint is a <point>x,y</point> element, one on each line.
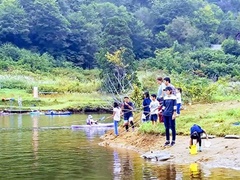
<point>195,133</point>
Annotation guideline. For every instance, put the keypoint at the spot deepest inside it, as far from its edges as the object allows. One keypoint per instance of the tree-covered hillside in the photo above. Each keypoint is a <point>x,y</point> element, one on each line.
<point>83,31</point>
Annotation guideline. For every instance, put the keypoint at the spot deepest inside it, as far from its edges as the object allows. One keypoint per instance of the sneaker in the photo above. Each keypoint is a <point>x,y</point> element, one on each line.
<point>200,149</point>
<point>167,143</point>
<point>172,143</point>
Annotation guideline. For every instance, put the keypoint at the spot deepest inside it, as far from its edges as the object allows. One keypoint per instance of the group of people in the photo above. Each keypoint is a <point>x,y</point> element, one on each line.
<point>125,109</point>
<point>165,106</point>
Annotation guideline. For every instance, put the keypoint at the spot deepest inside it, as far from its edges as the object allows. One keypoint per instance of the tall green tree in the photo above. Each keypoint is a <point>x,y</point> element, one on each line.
<point>229,25</point>
<point>231,46</point>
<point>164,11</point>
<point>116,35</point>
<point>14,23</point>
<point>141,39</point>
<point>182,30</point>
<point>83,38</point>
<point>48,27</point>
<point>205,20</point>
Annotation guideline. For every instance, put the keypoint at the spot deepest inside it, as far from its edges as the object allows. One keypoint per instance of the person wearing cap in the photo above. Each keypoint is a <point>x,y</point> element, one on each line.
<point>127,109</point>
<point>195,133</point>
<point>167,82</point>
<point>90,120</point>
<point>169,114</point>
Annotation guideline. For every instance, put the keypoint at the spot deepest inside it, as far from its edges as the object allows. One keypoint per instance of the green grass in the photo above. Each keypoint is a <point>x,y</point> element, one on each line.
<point>219,123</point>
<point>150,129</point>
<point>75,101</point>
<point>227,97</point>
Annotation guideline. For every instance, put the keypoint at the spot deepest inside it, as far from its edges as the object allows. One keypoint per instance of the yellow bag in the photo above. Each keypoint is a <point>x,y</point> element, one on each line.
<point>193,149</point>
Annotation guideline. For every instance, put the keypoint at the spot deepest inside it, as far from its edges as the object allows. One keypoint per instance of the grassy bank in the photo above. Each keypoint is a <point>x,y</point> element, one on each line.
<point>217,119</point>
<point>57,101</point>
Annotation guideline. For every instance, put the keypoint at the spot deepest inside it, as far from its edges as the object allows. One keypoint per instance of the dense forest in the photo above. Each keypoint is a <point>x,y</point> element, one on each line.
<point>175,35</point>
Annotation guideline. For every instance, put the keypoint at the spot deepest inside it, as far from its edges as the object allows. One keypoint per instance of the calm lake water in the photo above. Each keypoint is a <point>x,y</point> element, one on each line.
<point>31,148</point>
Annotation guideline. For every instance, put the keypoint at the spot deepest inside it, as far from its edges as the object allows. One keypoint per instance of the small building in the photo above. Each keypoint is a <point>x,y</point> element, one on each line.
<point>216,46</point>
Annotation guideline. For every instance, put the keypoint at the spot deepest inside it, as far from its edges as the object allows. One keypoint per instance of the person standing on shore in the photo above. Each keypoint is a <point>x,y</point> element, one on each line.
<point>116,116</point>
<point>179,100</point>
<point>127,109</point>
<point>160,92</point>
<point>169,115</point>
<point>146,108</point>
<point>167,82</point>
<point>160,95</point>
<point>154,105</point>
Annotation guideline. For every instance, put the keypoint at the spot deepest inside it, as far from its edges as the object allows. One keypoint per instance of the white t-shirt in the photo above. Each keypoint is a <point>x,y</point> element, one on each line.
<point>117,115</point>
<point>154,107</point>
<point>179,98</point>
<point>160,92</point>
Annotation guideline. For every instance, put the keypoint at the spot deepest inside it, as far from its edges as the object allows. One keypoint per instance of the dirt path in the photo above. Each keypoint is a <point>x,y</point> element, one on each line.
<point>221,153</point>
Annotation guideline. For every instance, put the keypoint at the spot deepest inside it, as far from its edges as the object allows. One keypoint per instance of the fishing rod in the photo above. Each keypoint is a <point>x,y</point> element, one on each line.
<point>35,128</point>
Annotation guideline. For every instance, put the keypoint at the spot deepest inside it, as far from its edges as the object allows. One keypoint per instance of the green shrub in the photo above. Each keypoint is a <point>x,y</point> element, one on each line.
<point>14,84</point>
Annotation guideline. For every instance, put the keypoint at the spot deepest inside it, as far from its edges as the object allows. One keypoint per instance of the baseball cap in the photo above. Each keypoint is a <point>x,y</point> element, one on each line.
<point>168,88</point>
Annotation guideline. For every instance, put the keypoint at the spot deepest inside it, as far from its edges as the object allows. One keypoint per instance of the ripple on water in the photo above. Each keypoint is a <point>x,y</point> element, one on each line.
<point>27,153</point>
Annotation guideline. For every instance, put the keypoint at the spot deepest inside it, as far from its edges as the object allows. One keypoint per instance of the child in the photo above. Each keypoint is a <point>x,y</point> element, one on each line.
<point>169,115</point>
<point>127,109</point>
<point>154,109</point>
<point>179,100</point>
<point>90,120</point>
<point>195,133</point>
<point>116,116</point>
<point>160,116</point>
<point>146,108</point>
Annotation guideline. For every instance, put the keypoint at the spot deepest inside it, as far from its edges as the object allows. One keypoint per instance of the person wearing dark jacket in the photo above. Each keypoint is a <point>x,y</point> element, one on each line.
<point>146,108</point>
<point>195,133</point>
<point>169,114</point>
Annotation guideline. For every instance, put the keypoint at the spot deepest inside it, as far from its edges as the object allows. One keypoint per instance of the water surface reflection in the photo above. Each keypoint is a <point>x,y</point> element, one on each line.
<point>28,151</point>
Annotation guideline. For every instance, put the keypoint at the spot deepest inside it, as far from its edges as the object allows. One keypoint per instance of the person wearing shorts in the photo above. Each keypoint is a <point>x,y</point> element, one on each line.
<point>127,109</point>
<point>154,105</point>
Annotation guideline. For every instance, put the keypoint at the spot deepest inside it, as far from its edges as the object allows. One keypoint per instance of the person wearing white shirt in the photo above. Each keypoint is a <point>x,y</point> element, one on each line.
<point>116,116</point>
<point>154,105</point>
<point>162,86</point>
<point>179,100</point>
